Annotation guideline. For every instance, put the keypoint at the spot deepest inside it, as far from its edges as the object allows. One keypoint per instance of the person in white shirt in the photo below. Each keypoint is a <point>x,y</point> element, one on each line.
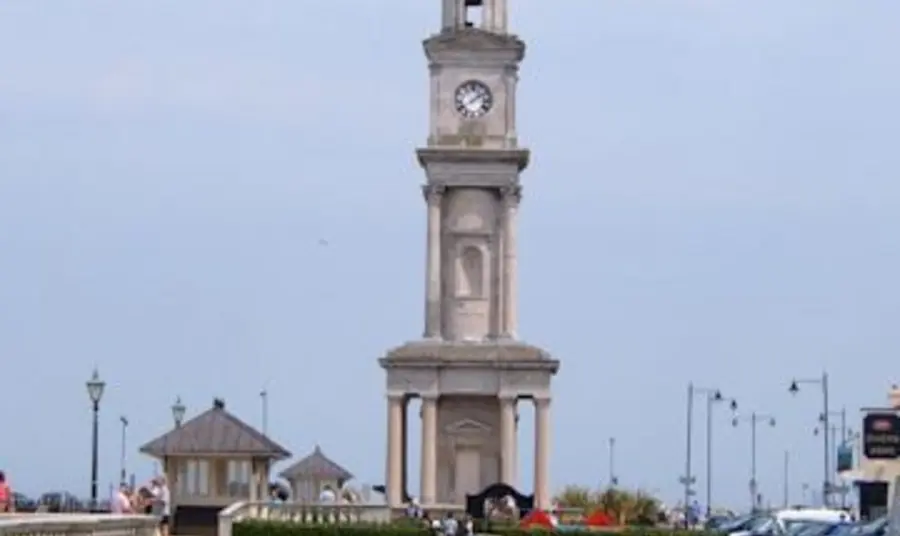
<point>121,501</point>
<point>327,495</point>
<point>162,503</point>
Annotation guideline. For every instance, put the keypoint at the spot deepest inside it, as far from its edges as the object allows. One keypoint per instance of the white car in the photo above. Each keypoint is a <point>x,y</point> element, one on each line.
<point>782,522</point>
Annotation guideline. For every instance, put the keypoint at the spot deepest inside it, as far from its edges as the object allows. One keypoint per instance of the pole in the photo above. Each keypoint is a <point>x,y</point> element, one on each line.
<point>753,421</point>
<point>687,458</point>
<point>826,481</point>
<point>264,396</point>
<point>122,454</point>
<point>612,462</point>
<point>710,400</point>
<point>844,440</point>
<point>785,480</point>
<point>95,456</point>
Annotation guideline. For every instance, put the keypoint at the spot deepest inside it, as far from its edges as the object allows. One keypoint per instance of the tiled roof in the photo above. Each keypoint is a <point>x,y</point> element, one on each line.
<point>215,431</point>
<point>316,465</point>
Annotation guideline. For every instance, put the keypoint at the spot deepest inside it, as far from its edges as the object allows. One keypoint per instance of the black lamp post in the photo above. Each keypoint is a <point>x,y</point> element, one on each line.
<point>178,410</point>
<point>95,388</point>
<point>754,419</point>
<point>826,413</point>
<point>713,398</point>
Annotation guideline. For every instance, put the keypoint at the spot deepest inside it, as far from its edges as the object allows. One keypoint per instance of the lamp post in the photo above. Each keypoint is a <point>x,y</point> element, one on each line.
<point>178,410</point>
<point>95,388</point>
<point>264,400</point>
<point>713,397</point>
<point>794,388</point>
<point>613,479</point>
<point>754,419</point>
<point>124,420</point>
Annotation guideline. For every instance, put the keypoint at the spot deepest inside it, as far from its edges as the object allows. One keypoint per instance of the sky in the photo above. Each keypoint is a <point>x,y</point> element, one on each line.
<point>713,198</point>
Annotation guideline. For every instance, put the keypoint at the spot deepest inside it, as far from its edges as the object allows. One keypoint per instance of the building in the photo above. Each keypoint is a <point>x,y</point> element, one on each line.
<point>309,476</point>
<point>212,461</point>
<point>470,370</point>
<point>879,460</point>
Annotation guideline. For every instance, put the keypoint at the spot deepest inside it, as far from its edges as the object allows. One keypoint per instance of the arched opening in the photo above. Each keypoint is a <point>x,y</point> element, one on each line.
<point>471,276</point>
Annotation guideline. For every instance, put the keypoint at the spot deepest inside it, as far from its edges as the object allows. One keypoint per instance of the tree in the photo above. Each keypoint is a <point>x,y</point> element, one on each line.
<point>624,506</point>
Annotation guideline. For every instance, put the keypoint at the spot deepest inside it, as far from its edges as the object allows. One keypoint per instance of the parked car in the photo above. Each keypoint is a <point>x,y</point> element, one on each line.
<point>23,503</point>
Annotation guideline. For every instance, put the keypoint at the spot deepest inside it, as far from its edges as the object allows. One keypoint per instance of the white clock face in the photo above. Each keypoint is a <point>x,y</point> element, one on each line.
<point>473,99</point>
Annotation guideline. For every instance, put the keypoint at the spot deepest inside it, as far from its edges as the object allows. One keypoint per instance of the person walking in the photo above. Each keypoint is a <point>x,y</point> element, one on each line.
<point>7,499</point>
<point>121,501</point>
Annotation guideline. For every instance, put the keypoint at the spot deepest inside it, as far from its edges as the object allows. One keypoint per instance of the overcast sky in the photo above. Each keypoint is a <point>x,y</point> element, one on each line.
<point>713,197</point>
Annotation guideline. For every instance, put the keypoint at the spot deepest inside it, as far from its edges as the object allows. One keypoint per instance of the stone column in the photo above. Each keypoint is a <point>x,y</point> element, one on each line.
<point>542,433</point>
<point>394,473</point>
<point>433,195</point>
<point>508,440</point>
<point>428,477</point>
<point>511,196</point>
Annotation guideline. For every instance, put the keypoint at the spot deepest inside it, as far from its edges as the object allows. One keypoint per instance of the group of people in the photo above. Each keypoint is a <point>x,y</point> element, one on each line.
<point>446,526</point>
<point>153,498</point>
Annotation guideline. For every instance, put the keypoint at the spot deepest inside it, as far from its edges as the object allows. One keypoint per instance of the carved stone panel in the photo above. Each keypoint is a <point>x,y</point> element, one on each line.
<point>469,381</point>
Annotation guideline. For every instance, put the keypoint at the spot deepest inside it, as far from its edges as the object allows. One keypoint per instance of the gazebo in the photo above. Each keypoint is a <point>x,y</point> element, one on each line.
<point>211,462</point>
<point>310,475</point>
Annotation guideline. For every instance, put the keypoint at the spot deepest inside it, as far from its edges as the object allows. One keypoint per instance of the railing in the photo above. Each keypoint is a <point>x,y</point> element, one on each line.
<point>317,513</point>
<point>40,524</point>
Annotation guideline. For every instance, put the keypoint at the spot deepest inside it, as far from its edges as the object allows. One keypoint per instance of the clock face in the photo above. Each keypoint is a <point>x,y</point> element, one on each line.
<point>473,99</point>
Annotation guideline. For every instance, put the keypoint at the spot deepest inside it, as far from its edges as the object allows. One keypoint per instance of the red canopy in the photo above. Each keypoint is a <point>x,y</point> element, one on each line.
<point>537,518</point>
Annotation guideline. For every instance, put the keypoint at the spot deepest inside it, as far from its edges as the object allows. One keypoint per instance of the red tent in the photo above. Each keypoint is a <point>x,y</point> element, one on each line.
<point>599,518</point>
<point>537,518</point>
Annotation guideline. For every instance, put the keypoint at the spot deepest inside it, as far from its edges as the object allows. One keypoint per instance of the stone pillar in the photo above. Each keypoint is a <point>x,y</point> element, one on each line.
<point>428,477</point>
<point>542,433</point>
<point>508,440</point>
<point>511,196</point>
<point>394,473</point>
<point>433,195</point>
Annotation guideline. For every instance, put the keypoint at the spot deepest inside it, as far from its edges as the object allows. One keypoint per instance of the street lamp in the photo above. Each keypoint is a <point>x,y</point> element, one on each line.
<point>754,419</point>
<point>178,410</point>
<point>124,420</point>
<point>613,479</point>
<point>95,388</point>
<point>713,397</point>
<point>794,388</point>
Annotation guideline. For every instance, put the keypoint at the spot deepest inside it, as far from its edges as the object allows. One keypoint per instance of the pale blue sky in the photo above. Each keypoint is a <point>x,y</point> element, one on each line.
<point>713,197</point>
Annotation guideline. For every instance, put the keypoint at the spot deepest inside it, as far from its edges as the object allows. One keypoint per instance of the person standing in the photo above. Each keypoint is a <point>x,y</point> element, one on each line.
<point>121,501</point>
<point>162,504</point>
<point>7,499</point>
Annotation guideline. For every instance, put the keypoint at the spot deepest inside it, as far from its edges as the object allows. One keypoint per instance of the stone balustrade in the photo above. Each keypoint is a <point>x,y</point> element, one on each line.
<point>309,513</point>
<point>44,524</point>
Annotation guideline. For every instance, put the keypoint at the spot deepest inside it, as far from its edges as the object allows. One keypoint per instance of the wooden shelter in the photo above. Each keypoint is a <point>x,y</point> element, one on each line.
<point>309,476</point>
<point>212,461</point>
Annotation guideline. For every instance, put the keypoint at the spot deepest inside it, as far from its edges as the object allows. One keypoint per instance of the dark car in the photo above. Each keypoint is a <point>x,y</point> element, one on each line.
<point>23,503</point>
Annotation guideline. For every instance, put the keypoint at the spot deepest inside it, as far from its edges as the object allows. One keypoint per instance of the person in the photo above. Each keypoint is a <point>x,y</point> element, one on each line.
<point>327,495</point>
<point>7,499</point>
<point>469,526</point>
<point>413,509</point>
<point>121,501</point>
<point>162,503</point>
<point>450,526</point>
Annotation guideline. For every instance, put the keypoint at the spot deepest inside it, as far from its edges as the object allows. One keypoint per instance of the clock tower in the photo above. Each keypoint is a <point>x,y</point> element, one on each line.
<point>470,370</point>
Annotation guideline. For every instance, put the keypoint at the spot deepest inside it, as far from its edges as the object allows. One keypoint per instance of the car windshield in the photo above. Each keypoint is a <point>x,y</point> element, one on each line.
<point>807,528</point>
<point>876,527</point>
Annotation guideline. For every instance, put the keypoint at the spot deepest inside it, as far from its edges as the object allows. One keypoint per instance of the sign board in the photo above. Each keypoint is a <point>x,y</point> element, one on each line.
<point>844,458</point>
<point>881,436</point>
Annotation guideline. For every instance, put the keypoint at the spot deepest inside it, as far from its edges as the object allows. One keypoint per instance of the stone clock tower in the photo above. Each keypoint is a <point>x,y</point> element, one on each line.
<point>469,369</point>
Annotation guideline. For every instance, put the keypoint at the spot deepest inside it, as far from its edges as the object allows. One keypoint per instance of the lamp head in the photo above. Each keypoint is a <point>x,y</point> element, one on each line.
<point>717,395</point>
<point>733,405</point>
<point>95,387</point>
<point>734,421</point>
<point>178,411</point>
<point>772,421</point>
<point>794,388</point>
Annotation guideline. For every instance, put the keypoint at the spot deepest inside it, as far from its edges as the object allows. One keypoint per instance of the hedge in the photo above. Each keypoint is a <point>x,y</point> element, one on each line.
<point>293,528</point>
